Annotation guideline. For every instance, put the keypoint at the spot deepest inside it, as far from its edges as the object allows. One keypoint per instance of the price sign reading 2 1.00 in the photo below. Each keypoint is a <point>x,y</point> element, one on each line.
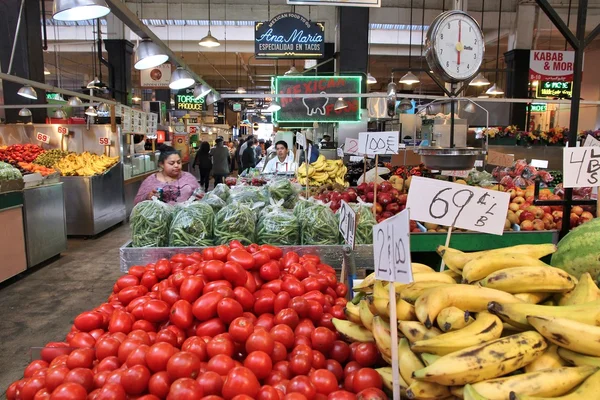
<point>347,225</point>
<point>391,249</point>
<point>460,206</point>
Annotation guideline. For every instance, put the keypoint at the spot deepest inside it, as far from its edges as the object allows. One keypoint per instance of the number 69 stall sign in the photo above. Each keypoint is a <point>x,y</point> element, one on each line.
<point>460,206</point>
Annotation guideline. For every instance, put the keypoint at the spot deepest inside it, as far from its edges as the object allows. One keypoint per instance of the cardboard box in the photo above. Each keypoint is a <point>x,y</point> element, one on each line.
<point>399,160</point>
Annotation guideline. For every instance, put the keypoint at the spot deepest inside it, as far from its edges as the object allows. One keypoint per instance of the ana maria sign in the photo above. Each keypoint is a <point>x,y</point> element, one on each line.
<point>185,100</point>
<point>289,35</point>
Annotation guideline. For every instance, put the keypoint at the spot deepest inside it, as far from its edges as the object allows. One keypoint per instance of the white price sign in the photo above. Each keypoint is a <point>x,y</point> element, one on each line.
<point>460,206</point>
<point>581,167</point>
<point>301,139</point>
<point>351,146</point>
<point>478,163</point>
<point>356,159</point>
<point>591,141</point>
<point>378,143</point>
<point>391,249</point>
<point>104,141</point>
<point>42,137</point>
<point>347,225</point>
<point>340,152</point>
<point>539,163</point>
<point>458,174</point>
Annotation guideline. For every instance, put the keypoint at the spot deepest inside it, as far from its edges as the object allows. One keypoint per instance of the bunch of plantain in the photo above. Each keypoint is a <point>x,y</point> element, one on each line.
<point>512,328</point>
<point>85,164</point>
<point>323,172</point>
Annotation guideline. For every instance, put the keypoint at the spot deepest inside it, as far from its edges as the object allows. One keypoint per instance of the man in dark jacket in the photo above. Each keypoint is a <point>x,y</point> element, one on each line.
<point>249,155</point>
<point>220,161</point>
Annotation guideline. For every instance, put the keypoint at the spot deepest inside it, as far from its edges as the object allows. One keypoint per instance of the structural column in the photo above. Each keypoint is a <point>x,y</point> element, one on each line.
<point>353,43</point>
<point>119,51</point>
<point>28,60</point>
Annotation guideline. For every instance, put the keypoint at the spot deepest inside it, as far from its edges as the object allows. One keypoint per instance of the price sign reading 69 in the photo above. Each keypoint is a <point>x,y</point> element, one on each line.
<point>391,249</point>
<point>460,206</point>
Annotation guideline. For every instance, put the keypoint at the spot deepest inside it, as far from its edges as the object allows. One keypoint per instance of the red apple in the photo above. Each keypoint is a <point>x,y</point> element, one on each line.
<point>362,188</point>
<point>370,197</point>
<point>393,208</point>
<point>559,225</point>
<point>527,225</point>
<point>577,210</point>
<point>586,216</point>
<point>335,196</point>
<point>384,198</point>
<point>385,186</point>
<point>413,225</point>
<point>363,198</point>
<point>512,192</point>
<point>402,199</point>
<point>538,225</point>
<point>557,215</point>
<point>574,220</point>
<point>547,209</point>
<point>370,187</point>
<point>352,195</point>
<point>526,216</point>
<point>519,200</point>
<point>387,214</point>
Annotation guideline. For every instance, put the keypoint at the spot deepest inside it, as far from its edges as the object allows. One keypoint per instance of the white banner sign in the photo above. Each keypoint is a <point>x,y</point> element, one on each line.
<point>391,249</point>
<point>42,137</point>
<point>301,139</point>
<point>373,143</point>
<point>159,76</point>
<point>460,206</point>
<point>546,65</point>
<point>581,167</point>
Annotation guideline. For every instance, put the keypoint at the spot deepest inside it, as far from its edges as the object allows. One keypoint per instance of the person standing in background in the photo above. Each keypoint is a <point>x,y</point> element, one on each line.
<point>204,163</point>
<point>249,155</point>
<point>259,150</point>
<point>249,141</point>
<point>220,161</point>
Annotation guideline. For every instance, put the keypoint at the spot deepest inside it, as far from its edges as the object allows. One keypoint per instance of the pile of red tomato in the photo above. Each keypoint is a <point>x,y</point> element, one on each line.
<point>232,322</point>
<point>20,153</point>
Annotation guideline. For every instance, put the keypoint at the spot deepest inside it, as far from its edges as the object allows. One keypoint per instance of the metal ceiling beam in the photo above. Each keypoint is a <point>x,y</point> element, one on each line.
<point>121,11</point>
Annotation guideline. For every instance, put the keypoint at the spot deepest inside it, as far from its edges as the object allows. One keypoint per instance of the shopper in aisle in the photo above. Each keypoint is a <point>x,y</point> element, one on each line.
<point>259,149</point>
<point>244,146</point>
<point>233,151</point>
<point>283,162</point>
<point>204,163</point>
<point>249,155</point>
<point>175,185</point>
<point>220,161</point>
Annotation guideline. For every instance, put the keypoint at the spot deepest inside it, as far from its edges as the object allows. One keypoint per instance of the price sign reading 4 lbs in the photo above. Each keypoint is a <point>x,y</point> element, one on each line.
<point>460,206</point>
<point>347,224</point>
<point>104,141</point>
<point>42,137</point>
<point>581,166</point>
<point>391,249</point>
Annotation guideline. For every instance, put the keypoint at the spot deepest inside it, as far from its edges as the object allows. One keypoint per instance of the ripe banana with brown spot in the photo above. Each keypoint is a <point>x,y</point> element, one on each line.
<point>415,331</point>
<point>365,314</point>
<point>485,361</point>
<point>486,327</point>
<point>453,319</point>
<point>549,360</point>
<point>589,389</point>
<point>408,362</point>
<point>413,291</point>
<point>351,312</point>
<point>405,311</point>
<point>532,297</point>
<point>574,358</point>
<point>352,332</point>
<point>388,380</point>
<point>484,265</point>
<point>576,336</point>
<point>585,291</point>
<point>466,297</point>
<point>427,391</point>
<point>383,338</point>
<point>529,279</point>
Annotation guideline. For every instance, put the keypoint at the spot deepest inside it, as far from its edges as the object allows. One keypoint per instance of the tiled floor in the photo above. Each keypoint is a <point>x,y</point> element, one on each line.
<point>39,306</point>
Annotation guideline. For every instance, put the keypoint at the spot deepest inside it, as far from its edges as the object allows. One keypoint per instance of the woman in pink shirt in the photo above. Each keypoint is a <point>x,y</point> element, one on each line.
<point>177,186</point>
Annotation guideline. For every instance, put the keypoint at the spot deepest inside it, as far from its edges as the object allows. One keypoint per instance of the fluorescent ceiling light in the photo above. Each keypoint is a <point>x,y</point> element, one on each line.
<point>148,55</point>
<point>79,10</point>
<point>181,79</point>
<point>28,92</point>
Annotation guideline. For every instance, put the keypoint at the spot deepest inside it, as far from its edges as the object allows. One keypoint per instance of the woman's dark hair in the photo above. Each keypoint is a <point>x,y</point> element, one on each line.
<point>204,148</point>
<point>283,143</point>
<point>165,152</point>
<point>137,138</point>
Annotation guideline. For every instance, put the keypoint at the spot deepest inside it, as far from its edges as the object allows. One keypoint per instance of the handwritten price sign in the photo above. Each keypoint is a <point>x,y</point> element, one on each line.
<point>301,139</point>
<point>591,141</point>
<point>347,225</point>
<point>378,143</point>
<point>42,137</point>
<point>451,204</point>
<point>104,141</point>
<point>581,167</point>
<point>351,146</point>
<point>62,130</point>
<point>391,249</point>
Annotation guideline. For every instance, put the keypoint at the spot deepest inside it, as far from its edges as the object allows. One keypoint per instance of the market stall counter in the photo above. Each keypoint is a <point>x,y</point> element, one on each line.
<point>12,235</point>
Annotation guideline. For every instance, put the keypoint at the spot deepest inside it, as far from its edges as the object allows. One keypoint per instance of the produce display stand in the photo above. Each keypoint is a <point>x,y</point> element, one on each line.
<point>362,254</point>
<point>94,203</point>
<point>45,222</point>
<point>12,235</point>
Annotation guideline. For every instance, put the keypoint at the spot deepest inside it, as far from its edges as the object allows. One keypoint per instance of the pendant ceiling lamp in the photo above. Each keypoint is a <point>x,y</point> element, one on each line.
<point>59,114</point>
<point>496,90</point>
<point>91,111</point>
<point>274,106</point>
<point>469,108</point>
<point>79,10</point>
<point>96,84</point>
<point>405,105</point>
<point>74,102</point>
<point>103,108</point>
<point>340,104</point>
<point>24,112</point>
<point>240,90</point>
<point>148,55</point>
<point>212,98</point>
<point>46,71</point>
<point>181,79</point>
<point>292,71</point>
<point>28,92</point>
<point>391,88</point>
<point>371,79</point>
<point>209,40</point>
<point>479,80</point>
<point>409,78</point>
<point>201,90</point>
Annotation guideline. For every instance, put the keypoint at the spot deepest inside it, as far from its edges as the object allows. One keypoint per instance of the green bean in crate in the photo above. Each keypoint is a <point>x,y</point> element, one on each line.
<point>278,227</point>
<point>319,226</point>
<point>221,190</point>
<point>150,221</point>
<point>365,224</point>
<point>192,225</point>
<point>214,201</point>
<point>235,222</point>
<point>283,189</point>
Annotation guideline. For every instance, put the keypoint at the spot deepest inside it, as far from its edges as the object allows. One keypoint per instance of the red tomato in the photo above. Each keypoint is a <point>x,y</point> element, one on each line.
<point>234,273</point>
<point>349,381</point>
<point>242,257</point>
<point>127,280</point>
<point>302,384</point>
<point>211,383</point>
<point>221,364</point>
<point>221,252</point>
<point>137,356</point>
<point>325,321</point>
<point>322,339</point>
<point>167,336</point>
<point>228,310</point>
<point>181,314</point>
<point>191,288</point>
<point>371,394</point>
<point>290,258</point>
<point>260,340</point>
<point>108,364</point>
<point>88,321</point>
<point>324,381</point>
<point>212,328</point>
<point>337,311</point>
<point>81,358</point>
<point>127,294</point>
<point>267,392</point>
<point>59,361</point>
<point>140,335</point>
<point>149,279</point>
<point>82,340</point>
<point>143,325</point>
<point>269,271</point>
<point>185,389</point>
<point>303,349</point>
<point>55,376</point>
<point>341,290</point>
<point>335,368</point>
<point>162,269</point>
<point>244,297</point>
<point>261,257</point>
<point>318,360</point>
<point>205,307</point>
<point>137,271</point>
<point>304,328</point>
<point>135,380</point>
<point>220,345</point>
<point>340,351</point>
<point>366,354</point>
<point>120,321</point>
<point>274,252</point>
<point>208,253</point>
<point>250,283</point>
<point>214,285</point>
<point>274,286</point>
<point>293,286</point>
<point>240,329</point>
<point>300,364</point>
<point>53,350</point>
<point>158,356</point>
<point>315,311</point>
<point>69,391</point>
<point>159,384</point>
<point>283,334</point>
<point>195,345</point>
<point>34,366</point>
<point>289,317</point>
<point>183,365</point>
<point>264,301</point>
<point>279,352</point>
<point>213,270</point>
<point>33,385</point>
<point>366,378</point>
<point>266,321</point>
<point>259,363</point>
<point>341,395</point>
<point>300,305</point>
<point>240,380</point>
<point>351,367</point>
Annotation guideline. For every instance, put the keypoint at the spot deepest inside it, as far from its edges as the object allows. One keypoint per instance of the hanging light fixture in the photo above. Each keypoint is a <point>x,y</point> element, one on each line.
<point>391,88</point>
<point>79,10</point>
<point>340,104</point>
<point>209,40</point>
<point>409,78</point>
<point>469,108</point>
<point>496,90</point>
<point>240,90</point>
<point>24,112</point>
<point>479,80</point>
<point>181,79</point>
<point>103,108</point>
<point>212,98</point>
<point>274,106</point>
<point>292,71</point>
<point>59,114</point>
<point>91,111</point>
<point>74,102</point>
<point>371,79</point>
<point>405,105</point>
<point>95,84</point>
<point>28,92</point>
<point>46,71</point>
<point>148,54</point>
<point>201,90</point>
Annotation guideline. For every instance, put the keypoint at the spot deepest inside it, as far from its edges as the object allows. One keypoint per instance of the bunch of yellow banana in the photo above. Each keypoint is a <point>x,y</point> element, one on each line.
<point>501,325</point>
<point>85,164</point>
<point>322,172</point>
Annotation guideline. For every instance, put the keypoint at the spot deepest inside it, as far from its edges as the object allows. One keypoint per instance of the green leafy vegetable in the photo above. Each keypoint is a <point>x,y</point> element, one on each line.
<point>149,223</point>
<point>235,222</point>
<point>192,225</point>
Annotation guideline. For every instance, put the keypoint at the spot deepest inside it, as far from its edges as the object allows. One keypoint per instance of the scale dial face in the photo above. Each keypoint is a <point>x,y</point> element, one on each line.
<point>455,46</point>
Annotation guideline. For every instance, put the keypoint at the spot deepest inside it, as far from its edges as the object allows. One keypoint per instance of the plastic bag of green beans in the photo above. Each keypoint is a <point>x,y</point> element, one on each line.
<point>277,226</point>
<point>214,201</point>
<point>192,225</point>
<point>283,189</point>
<point>366,222</point>
<point>252,196</point>
<point>319,226</point>
<point>235,222</point>
<point>221,190</point>
<point>150,221</point>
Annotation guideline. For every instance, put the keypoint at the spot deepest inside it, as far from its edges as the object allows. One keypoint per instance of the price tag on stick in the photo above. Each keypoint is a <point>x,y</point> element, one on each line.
<point>591,141</point>
<point>42,137</point>
<point>347,225</point>
<point>104,141</point>
<point>301,139</point>
<point>391,249</point>
<point>372,143</point>
<point>351,146</point>
<point>581,167</point>
<point>460,206</point>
